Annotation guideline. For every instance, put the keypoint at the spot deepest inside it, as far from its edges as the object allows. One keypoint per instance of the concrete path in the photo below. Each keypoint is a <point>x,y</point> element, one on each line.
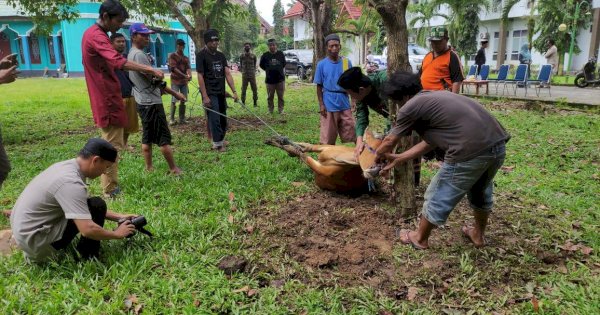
<point>567,94</point>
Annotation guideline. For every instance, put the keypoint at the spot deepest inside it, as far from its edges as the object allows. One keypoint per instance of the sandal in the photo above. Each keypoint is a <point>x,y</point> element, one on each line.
<point>406,240</point>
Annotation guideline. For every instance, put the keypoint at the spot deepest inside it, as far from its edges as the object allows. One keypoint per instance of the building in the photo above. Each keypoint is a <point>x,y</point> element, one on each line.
<point>265,27</point>
<point>61,49</point>
<point>353,46</point>
<point>516,33</point>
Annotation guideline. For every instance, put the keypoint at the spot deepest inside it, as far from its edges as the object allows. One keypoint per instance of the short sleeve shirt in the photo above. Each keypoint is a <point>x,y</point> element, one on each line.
<point>41,212</point>
<point>327,75</point>
<point>212,68</point>
<point>100,60</point>
<point>459,125</point>
<point>144,91</point>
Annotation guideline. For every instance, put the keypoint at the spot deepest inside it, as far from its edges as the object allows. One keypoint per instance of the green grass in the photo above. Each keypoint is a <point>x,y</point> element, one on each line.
<point>554,184</point>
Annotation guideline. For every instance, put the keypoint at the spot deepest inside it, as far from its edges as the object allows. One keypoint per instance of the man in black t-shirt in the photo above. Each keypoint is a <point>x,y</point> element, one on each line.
<point>212,68</point>
<point>480,57</point>
<point>273,63</point>
<point>474,144</point>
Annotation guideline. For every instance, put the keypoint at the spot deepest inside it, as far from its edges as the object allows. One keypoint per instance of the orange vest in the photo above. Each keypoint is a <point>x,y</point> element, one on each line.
<point>434,70</point>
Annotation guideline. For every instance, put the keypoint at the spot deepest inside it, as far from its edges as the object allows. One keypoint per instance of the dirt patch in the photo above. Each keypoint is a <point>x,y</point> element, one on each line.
<point>327,239</point>
<point>7,243</point>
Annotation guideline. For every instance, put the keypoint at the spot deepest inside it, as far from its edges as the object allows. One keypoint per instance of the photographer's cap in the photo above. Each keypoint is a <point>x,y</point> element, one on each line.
<point>210,35</point>
<point>139,28</point>
<point>101,148</point>
<point>438,33</point>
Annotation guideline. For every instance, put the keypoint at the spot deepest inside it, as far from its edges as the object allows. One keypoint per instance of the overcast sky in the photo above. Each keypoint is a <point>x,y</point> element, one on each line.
<point>265,8</point>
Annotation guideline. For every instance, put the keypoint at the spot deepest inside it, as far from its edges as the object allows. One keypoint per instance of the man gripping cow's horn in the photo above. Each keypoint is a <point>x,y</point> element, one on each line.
<point>474,142</point>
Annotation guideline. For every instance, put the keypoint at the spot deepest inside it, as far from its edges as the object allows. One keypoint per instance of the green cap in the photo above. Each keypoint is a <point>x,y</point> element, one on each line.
<point>438,33</point>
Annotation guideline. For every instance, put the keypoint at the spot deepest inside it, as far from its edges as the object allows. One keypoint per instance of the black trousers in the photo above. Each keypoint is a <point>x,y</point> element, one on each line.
<point>87,248</point>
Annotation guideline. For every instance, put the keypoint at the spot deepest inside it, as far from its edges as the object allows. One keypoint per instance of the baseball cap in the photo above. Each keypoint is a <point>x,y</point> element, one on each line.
<point>139,28</point>
<point>438,33</point>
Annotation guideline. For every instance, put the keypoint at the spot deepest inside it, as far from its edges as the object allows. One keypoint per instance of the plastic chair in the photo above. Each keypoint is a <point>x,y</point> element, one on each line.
<point>472,71</point>
<point>502,75</point>
<point>484,72</point>
<point>519,78</point>
<point>543,80</point>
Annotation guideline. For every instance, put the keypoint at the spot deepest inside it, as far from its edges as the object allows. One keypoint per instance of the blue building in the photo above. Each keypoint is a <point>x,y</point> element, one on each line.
<point>62,47</point>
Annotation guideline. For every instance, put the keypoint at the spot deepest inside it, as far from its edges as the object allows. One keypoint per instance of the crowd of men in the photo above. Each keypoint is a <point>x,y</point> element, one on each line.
<point>55,206</point>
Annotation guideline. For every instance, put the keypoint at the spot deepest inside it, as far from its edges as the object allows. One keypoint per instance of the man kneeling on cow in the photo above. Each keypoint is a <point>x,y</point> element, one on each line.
<point>55,207</point>
<point>474,142</point>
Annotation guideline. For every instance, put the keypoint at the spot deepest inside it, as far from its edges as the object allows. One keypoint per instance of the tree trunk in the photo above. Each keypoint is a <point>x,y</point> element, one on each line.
<point>200,24</point>
<point>501,45</point>
<point>393,14</point>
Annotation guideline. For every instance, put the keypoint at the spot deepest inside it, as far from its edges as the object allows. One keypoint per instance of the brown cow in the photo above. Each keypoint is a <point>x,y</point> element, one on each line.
<point>336,168</point>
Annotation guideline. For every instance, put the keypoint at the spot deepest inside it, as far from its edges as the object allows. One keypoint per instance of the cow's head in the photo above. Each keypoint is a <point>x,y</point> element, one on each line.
<point>366,159</point>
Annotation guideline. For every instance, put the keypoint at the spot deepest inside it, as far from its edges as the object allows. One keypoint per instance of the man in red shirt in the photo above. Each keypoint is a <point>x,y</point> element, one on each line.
<point>100,60</point>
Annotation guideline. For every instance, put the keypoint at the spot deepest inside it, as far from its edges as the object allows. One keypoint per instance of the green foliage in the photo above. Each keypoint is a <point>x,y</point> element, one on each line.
<point>278,22</point>
<point>45,14</point>
<point>254,26</point>
<point>552,13</point>
<point>422,13</point>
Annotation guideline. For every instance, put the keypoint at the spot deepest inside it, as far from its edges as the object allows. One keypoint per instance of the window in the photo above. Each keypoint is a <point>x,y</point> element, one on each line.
<point>496,5</point>
<point>519,39</point>
<point>51,49</point>
<point>496,45</point>
<point>34,50</point>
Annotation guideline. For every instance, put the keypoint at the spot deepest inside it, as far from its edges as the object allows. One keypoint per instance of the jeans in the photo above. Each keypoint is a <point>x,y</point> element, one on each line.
<point>473,178</point>
<point>217,124</point>
<point>87,248</point>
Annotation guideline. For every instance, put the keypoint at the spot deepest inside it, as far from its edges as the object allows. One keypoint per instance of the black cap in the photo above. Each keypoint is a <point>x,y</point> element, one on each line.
<point>271,41</point>
<point>101,148</point>
<point>210,35</point>
<point>353,79</point>
<point>332,37</point>
<point>180,41</point>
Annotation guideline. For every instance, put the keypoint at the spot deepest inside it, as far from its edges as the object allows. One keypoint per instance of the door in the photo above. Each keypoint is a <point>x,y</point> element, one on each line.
<point>4,45</point>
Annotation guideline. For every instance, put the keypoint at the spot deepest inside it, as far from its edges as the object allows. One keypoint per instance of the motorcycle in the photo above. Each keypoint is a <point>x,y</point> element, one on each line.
<point>589,75</point>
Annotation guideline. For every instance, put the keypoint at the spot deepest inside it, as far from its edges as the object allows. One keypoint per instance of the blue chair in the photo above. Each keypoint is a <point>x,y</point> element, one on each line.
<point>519,78</point>
<point>472,71</point>
<point>502,75</point>
<point>484,72</point>
<point>543,80</point>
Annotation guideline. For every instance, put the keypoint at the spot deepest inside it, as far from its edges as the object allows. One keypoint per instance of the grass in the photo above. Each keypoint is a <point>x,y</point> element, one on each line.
<point>553,187</point>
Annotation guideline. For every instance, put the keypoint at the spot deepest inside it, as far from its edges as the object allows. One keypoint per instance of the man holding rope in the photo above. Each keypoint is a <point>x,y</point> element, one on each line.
<point>212,68</point>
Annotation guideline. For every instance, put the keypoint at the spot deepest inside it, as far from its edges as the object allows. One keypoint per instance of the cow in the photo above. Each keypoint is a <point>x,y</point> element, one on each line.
<point>336,167</point>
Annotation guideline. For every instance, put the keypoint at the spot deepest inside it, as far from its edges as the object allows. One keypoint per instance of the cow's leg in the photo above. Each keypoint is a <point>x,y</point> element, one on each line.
<point>307,147</point>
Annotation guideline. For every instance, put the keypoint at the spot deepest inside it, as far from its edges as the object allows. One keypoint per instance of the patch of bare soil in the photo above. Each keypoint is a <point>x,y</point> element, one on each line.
<point>327,239</point>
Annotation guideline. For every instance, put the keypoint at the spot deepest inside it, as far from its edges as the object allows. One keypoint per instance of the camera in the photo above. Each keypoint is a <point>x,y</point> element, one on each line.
<point>139,223</point>
<point>159,82</point>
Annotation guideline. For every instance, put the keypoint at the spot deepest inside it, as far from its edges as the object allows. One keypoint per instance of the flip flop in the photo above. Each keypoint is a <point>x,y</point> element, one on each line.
<point>465,231</point>
<point>405,239</point>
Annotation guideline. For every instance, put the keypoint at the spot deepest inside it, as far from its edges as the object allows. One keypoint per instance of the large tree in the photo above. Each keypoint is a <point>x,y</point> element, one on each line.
<point>393,13</point>
<point>254,22</point>
<point>321,14</point>
<point>278,22</point>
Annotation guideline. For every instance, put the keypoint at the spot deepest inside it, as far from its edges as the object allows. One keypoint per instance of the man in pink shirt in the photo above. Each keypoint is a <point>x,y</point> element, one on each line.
<point>100,60</point>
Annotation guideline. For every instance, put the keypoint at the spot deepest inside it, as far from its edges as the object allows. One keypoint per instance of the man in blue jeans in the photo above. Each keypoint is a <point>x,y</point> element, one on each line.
<point>474,144</point>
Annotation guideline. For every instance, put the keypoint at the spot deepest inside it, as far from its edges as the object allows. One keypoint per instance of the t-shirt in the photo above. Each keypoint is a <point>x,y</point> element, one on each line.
<point>126,84</point>
<point>212,67</point>
<point>273,64</point>
<point>181,62</point>
<point>460,126</point>
<point>480,57</point>
<point>144,91</point>
<point>100,60</point>
<point>327,75</point>
<point>40,214</point>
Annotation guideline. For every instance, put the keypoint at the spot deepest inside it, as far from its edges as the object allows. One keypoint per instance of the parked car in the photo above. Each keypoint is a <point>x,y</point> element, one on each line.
<point>298,62</point>
<point>416,54</point>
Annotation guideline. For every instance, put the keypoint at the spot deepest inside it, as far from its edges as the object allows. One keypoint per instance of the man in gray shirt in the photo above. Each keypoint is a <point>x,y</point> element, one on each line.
<point>55,207</point>
<point>148,95</point>
<point>474,144</point>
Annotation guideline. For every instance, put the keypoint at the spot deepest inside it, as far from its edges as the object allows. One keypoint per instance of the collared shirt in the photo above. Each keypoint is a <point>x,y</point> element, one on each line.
<point>181,62</point>
<point>248,65</point>
<point>100,60</point>
<point>327,75</point>
<point>438,73</point>
<point>373,100</point>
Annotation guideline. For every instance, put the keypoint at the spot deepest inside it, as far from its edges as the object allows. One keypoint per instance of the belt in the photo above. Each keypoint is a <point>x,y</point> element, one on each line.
<point>340,92</point>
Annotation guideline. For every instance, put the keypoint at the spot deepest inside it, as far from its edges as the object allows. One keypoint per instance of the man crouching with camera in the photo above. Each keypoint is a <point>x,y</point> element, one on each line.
<point>55,207</point>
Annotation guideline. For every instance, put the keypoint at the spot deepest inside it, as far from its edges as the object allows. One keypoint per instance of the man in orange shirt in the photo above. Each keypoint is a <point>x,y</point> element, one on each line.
<point>441,69</point>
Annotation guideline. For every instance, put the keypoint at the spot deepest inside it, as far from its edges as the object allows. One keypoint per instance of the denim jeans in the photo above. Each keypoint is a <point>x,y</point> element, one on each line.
<point>473,178</point>
<point>217,123</point>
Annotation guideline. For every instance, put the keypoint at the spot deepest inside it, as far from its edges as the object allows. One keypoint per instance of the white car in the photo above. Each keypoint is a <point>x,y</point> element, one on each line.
<point>416,54</point>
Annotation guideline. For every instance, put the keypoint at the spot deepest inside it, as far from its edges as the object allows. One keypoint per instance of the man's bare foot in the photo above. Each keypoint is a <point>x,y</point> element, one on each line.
<point>6,213</point>
<point>176,171</point>
<point>470,233</point>
<point>150,169</point>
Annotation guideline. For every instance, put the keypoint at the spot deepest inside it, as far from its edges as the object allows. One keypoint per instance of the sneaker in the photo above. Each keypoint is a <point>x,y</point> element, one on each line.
<point>113,194</point>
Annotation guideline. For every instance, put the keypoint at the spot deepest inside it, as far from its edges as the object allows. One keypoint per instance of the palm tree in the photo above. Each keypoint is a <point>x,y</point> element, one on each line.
<point>422,13</point>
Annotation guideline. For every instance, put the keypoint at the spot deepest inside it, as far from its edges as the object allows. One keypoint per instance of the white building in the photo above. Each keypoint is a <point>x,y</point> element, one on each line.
<point>516,33</point>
